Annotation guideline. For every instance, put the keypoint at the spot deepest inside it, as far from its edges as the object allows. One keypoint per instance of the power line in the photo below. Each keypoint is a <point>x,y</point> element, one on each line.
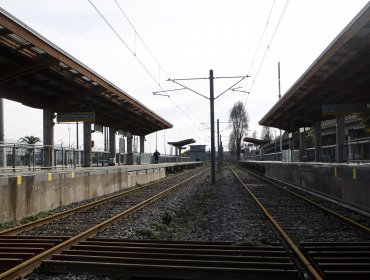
<point>151,53</point>
<point>141,39</point>
<point>133,52</point>
<point>123,42</point>
<point>263,33</point>
<point>156,60</point>
<point>259,44</point>
<point>268,44</point>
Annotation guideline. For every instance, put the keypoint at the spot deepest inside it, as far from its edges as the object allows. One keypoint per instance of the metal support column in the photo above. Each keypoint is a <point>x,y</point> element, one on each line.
<point>221,151</point>
<point>340,137</point>
<point>212,108</point>
<point>280,138</point>
<point>218,143</point>
<point>48,131</point>
<point>87,144</point>
<point>318,141</point>
<point>77,153</point>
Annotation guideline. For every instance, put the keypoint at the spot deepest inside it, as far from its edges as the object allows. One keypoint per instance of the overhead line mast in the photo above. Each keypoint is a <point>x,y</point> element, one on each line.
<point>211,98</point>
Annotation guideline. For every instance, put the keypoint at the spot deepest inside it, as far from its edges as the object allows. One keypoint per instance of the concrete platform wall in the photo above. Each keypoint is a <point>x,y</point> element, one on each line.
<point>29,194</point>
<point>350,183</point>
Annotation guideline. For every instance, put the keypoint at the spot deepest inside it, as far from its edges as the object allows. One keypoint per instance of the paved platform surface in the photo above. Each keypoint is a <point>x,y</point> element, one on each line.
<point>25,171</point>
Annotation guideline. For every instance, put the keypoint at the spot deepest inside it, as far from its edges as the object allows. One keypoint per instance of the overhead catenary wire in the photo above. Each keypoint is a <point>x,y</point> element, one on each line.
<point>141,39</point>
<point>155,59</point>
<point>123,42</point>
<point>260,41</point>
<point>133,52</point>
<point>269,42</point>
<point>151,54</point>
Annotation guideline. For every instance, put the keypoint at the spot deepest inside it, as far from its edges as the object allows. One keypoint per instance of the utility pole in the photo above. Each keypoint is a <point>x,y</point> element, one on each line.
<point>281,140</point>
<point>212,109</point>
<point>221,151</point>
<point>212,117</point>
<point>218,143</point>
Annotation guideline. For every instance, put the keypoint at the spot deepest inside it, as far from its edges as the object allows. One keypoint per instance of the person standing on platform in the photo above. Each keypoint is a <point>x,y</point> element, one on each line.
<point>156,156</point>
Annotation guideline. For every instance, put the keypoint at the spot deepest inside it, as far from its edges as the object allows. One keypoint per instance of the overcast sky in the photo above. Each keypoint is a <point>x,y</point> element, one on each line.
<point>187,39</point>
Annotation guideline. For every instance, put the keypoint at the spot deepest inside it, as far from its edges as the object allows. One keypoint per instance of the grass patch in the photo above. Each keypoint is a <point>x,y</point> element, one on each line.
<point>147,232</point>
<point>25,220</point>
<point>39,216</point>
<point>167,217</point>
<point>195,214</point>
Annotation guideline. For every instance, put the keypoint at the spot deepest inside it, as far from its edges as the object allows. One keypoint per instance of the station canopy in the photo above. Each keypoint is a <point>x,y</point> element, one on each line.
<point>182,142</point>
<point>37,73</point>
<point>339,76</point>
<point>256,141</point>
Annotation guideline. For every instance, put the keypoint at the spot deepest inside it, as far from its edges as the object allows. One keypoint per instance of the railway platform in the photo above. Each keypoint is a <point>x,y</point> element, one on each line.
<point>26,193</point>
<point>348,182</point>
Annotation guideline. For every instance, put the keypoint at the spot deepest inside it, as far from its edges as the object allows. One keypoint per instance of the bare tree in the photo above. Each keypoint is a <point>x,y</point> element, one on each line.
<point>232,145</point>
<point>239,118</point>
<point>254,135</point>
<point>266,133</point>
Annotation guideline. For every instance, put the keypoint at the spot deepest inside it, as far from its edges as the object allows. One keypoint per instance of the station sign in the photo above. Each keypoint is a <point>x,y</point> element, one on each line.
<point>76,117</point>
<point>345,109</point>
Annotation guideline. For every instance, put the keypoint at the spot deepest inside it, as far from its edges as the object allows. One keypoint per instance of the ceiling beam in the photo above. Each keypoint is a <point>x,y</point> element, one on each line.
<point>26,70</point>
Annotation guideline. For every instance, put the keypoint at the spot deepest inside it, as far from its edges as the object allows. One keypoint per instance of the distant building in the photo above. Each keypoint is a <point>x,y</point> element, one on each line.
<point>198,153</point>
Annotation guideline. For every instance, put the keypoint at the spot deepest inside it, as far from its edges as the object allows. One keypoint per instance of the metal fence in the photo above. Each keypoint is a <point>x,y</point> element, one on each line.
<point>18,157</point>
<point>359,149</point>
<point>354,151</point>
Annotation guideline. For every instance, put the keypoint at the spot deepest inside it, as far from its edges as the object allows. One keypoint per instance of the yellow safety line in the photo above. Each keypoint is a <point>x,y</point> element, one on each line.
<point>37,223</point>
<point>19,180</point>
<point>285,235</point>
<point>28,265</point>
<point>354,174</point>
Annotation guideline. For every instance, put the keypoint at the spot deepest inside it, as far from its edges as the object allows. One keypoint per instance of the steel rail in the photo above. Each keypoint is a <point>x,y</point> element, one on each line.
<point>304,261</point>
<point>57,216</point>
<point>32,263</point>
<point>342,218</point>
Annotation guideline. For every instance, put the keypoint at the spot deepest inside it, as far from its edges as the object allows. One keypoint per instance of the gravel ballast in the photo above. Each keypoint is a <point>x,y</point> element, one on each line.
<point>200,212</point>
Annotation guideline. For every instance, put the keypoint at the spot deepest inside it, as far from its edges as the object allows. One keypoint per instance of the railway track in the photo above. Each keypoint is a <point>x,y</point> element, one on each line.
<point>297,256</point>
<point>347,213</point>
<point>319,239</point>
<point>86,206</point>
<point>37,242</point>
<point>174,260</point>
